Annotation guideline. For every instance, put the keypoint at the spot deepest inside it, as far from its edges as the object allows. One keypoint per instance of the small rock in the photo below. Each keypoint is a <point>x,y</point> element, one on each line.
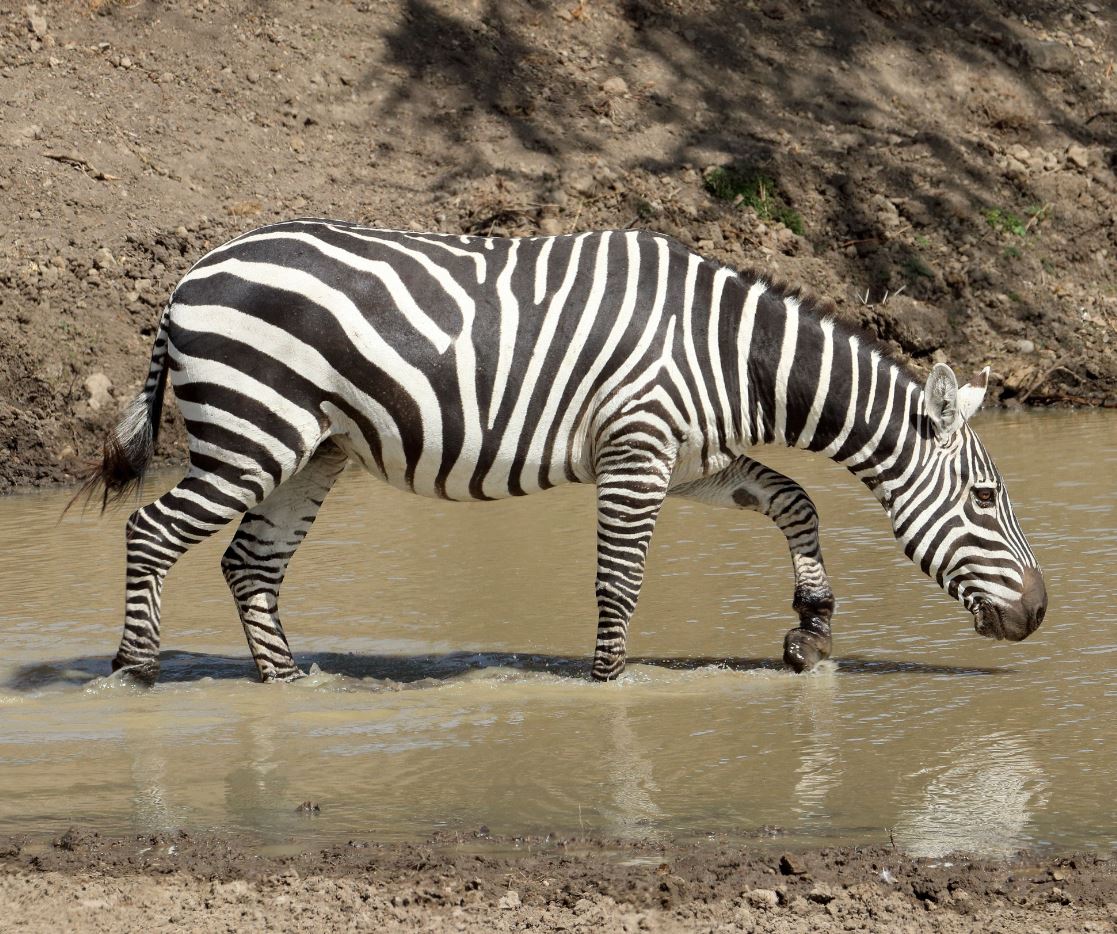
<point>104,259</point>
<point>99,389</point>
<point>21,135</point>
<point>821,894</point>
<point>1024,346</point>
<point>762,898</point>
<point>953,204</point>
<point>233,890</point>
<point>744,919</point>
<point>1078,155</point>
<point>1052,57</point>
<point>510,900</point>
<point>615,86</point>
<point>550,226</point>
<point>792,865</point>
<point>582,184</point>
<point>38,24</point>
<point>887,215</point>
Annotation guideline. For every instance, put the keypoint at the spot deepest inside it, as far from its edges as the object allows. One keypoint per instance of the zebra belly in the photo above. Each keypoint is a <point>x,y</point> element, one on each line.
<point>504,476</point>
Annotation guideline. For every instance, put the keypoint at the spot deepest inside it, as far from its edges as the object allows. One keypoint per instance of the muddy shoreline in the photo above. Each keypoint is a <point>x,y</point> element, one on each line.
<point>89,881</point>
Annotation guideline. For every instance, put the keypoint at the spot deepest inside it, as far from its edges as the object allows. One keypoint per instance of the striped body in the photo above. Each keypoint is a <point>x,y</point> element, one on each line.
<point>473,368</point>
<point>466,367</point>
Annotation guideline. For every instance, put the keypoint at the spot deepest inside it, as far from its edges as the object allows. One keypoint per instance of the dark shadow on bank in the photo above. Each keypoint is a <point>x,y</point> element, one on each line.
<point>397,672</point>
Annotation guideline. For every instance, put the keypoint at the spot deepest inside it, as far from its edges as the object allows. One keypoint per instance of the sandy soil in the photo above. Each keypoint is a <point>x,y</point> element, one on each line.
<point>85,882</point>
<point>962,153</point>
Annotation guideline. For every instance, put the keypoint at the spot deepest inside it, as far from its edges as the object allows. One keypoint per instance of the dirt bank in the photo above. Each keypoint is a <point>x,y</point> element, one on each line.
<point>84,882</point>
<point>961,156</point>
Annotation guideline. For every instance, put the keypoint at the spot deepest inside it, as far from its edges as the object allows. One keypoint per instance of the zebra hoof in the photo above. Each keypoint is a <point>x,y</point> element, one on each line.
<point>607,670</point>
<point>803,649</point>
<point>288,674</point>
<point>144,673</point>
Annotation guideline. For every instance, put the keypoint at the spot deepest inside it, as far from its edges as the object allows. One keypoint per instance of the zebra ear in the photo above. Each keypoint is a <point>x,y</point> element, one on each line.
<point>941,394</point>
<point>972,394</point>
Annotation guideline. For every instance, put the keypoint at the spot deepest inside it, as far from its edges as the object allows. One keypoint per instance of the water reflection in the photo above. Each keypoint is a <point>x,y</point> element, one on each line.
<point>819,769</point>
<point>631,784</point>
<point>984,802</point>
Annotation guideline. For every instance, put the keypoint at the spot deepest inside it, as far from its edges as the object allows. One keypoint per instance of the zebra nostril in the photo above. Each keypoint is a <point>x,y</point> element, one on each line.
<point>1040,613</point>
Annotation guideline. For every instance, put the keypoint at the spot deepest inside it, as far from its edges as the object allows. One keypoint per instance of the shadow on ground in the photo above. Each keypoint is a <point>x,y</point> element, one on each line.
<point>429,670</point>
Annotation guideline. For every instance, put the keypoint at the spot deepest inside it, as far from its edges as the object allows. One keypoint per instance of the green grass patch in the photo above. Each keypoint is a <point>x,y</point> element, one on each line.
<point>1009,223</point>
<point>747,185</point>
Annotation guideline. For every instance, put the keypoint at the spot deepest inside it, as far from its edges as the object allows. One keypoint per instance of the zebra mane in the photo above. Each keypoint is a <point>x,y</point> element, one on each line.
<point>823,309</point>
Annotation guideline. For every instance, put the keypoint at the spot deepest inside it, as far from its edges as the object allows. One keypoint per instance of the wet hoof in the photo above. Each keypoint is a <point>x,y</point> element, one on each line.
<point>607,667</point>
<point>144,673</point>
<point>286,674</point>
<point>805,648</point>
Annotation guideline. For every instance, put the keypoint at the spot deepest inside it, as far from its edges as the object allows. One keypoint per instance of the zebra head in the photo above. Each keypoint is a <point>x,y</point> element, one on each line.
<point>954,519</point>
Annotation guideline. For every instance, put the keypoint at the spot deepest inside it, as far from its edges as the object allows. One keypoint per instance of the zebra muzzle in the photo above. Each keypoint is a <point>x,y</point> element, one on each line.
<point>987,620</point>
<point>1017,620</point>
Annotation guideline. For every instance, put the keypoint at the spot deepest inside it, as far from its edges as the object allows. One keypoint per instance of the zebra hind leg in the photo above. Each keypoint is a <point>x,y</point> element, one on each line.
<point>156,536</point>
<point>630,492</point>
<point>748,484</point>
<point>256,560</point>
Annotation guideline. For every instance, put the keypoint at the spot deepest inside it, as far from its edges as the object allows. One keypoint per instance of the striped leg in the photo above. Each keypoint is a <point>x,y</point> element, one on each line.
<point>746,484</point>
<point>631,486</point>
<point>156,537</point>
<point>256,560</point>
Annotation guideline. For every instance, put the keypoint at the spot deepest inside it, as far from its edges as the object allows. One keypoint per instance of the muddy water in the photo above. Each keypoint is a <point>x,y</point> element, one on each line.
<point>451,645</point>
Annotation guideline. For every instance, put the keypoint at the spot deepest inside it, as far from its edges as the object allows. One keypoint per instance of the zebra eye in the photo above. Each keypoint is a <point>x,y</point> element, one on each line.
<point>985,495</point>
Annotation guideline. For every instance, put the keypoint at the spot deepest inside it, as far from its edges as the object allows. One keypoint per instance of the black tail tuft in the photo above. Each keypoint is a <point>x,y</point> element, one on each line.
<point>128,450</point>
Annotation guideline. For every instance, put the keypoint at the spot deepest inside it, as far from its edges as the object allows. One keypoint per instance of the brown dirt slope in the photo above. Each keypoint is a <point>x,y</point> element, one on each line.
<point>961,153</point>
<point>84,882</point>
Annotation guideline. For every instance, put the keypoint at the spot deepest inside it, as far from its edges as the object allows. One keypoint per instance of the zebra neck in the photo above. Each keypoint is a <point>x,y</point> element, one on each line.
<point>815,384</point>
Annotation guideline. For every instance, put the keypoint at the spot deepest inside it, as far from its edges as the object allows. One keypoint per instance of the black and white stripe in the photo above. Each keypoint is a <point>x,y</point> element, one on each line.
<point>473,368</point>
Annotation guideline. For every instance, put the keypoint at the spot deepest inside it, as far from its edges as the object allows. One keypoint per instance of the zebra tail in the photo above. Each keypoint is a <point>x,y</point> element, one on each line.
<point>130,445</point>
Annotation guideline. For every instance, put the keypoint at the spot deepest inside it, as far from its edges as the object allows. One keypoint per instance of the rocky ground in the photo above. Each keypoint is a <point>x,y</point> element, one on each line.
<point>943,172</point>
<point>83,882</point>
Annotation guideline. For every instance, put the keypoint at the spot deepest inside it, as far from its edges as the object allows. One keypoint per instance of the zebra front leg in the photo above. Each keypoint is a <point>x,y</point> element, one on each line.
<point>256,560</point>
<point>156,536</point>
<point>630,493</point>
<point>810,642</point>
<point>748,484</point>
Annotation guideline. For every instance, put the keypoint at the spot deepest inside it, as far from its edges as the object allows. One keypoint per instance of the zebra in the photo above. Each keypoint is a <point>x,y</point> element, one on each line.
<point>477,368</point>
